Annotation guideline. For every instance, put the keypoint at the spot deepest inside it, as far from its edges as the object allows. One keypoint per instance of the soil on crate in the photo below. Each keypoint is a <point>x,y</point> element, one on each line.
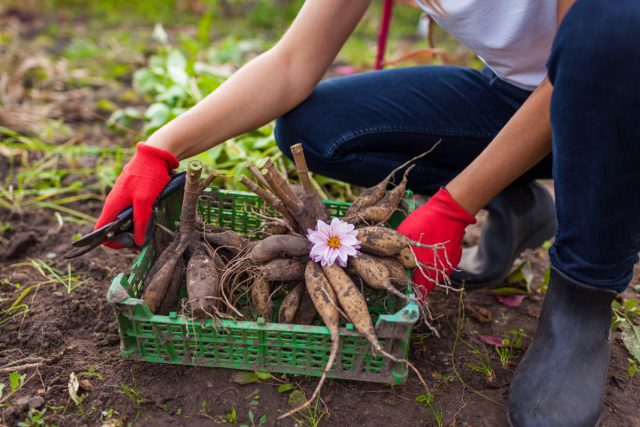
<point>76,332</point>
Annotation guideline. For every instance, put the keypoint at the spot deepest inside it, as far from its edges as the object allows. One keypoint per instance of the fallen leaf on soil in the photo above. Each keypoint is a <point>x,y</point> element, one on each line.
<point>631,338</point>
<point>523,274</point>
<point>283,388</point>
<point>74,385</point>
<point>86,385</point>
<point>250,377</point>
<point>491,340</point>
<point>263,375</point>
<point>296,397</point>
<point>245,378</point>
<point>480,314</point>
<point>512,301</point>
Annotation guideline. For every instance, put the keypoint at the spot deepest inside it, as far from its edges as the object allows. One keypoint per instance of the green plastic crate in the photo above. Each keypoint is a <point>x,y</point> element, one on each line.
<point>263,346</point>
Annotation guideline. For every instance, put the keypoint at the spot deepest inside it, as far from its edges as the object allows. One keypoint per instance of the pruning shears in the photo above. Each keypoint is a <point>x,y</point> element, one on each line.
<point>119,230</point>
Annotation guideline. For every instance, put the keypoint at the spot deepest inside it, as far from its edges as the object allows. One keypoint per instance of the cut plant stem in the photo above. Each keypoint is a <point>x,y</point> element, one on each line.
<point>257,175</point>
<point>268,197</point>
<point>312,200</point>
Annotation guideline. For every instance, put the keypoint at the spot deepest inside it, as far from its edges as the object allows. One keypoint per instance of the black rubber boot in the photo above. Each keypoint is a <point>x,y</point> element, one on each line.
<point>561,379</point>
<point>520,217</point>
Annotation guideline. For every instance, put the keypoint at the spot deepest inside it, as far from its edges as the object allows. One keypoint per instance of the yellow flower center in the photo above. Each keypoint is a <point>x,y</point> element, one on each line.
<point>333,242</point>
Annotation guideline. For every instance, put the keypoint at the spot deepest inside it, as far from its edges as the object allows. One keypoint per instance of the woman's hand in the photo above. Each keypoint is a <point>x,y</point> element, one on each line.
<point>440,221</point>
<point>139,185</point>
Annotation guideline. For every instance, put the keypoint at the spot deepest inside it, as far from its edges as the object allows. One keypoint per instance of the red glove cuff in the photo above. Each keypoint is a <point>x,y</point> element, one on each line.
<point>147,151</point>
<point>443,202</point>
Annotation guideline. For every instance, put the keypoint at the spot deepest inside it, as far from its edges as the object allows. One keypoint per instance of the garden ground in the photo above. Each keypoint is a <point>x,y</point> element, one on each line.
<point>57,159</point>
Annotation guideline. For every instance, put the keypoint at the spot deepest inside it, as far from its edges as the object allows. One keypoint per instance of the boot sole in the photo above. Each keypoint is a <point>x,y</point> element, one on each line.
<point>534,241</point>
<point>597,424</point>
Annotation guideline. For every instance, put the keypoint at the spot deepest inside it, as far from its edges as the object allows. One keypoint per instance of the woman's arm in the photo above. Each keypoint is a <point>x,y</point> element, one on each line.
<point>269,85</point>
<point>522,142</point>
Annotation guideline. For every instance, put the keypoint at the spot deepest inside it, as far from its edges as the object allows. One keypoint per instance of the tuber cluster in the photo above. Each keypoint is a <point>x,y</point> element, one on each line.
<point>229,275</point>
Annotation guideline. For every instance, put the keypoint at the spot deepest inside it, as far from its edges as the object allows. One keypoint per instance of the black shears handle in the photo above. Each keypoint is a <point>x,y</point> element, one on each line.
<point>122,224</point>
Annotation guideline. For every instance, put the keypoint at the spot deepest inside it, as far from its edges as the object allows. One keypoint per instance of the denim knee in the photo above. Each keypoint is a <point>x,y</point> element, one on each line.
<point>304,124</point>
<point>596,36</point>
<point>285,135</point>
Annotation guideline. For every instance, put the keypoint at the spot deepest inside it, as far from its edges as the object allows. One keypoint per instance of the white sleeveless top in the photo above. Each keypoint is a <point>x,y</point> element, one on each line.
<point>513,37</point>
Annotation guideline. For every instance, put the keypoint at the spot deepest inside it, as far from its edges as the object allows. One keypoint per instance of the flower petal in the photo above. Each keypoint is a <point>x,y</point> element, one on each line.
<point>349,240</point>
<point>342,258</point>
<point>349,251</point>
<point>323,228</point>
<point>316,238</point>
<point>332,256</point>
<point>319,250</point>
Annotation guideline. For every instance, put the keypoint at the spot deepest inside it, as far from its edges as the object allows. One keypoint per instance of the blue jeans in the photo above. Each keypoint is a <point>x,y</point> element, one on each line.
<point>358,128</point>
<point>595,118</point>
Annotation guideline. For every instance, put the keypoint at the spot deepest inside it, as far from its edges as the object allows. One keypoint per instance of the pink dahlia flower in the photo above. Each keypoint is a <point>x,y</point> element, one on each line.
<point>333,242</point>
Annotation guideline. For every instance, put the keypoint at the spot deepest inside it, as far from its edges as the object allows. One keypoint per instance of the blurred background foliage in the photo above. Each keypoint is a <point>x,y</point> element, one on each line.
<point>82,81</point>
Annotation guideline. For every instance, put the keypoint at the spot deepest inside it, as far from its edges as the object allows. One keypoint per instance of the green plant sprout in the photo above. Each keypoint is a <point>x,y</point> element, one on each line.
<point>429,400</point>
<point>70,281</point>
<point>230,418</point>
<point>510,345</point>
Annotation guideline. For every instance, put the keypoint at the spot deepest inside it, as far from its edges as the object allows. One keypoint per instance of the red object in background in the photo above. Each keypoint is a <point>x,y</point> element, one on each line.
<point>383,35</point>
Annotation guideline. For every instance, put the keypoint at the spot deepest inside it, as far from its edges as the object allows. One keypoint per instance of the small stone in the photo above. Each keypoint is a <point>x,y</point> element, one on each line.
<point>86,385</point>
<point>36,402</point>
<point>21,402</point>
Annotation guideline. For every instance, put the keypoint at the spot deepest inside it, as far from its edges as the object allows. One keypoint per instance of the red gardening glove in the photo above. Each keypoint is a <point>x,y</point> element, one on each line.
<point>139,184</point>
<point>440,220</point>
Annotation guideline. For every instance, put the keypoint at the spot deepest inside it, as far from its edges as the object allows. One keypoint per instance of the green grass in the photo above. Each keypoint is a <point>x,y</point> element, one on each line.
<point>45,175</point>
<point>13,296</point>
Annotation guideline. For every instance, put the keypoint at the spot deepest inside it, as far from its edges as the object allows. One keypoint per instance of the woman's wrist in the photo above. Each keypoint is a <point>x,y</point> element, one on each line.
<point>161,140</point>
<point>471,202</point>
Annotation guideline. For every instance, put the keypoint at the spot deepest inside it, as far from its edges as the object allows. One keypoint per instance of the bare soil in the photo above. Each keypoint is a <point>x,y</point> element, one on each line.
<point>75,332</point>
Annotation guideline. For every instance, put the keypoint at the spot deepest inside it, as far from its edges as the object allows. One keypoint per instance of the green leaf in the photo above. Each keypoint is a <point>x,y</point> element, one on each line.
<point>545,282</point>
<point>508,291</point>
<point>632,370</point>
<point>156,115</point>
<point>283,388</point>
<point>263,375</point>
<point>145,81</point>
<point>204,27</point>
<point>426,399</point>
<point>262,420</point>
<point>245,378</point>
<point>214,153</point>
<point>631,338</point>
<point>251,416</point>
<point>159,34</point>
<point>233,151</point>
<point>296,397</point>
<point>177,67</point>
<point>523,274</point>
<point>15,381</point>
